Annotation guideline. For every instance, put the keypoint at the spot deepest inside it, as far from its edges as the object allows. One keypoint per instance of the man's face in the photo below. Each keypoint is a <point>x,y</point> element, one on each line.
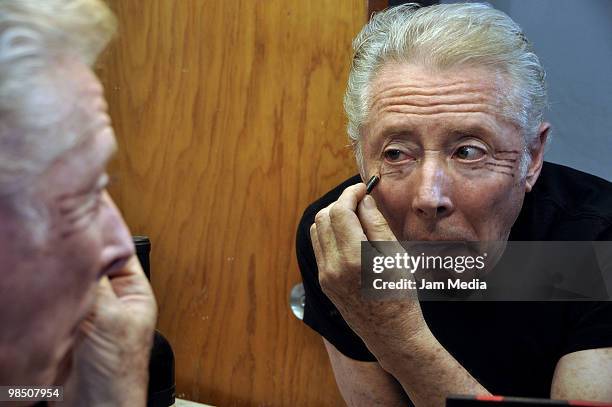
<point>48,287</point>
<point>449,162</point>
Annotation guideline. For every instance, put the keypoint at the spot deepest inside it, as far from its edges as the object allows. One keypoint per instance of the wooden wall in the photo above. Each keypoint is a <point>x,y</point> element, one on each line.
<point>229,120</point>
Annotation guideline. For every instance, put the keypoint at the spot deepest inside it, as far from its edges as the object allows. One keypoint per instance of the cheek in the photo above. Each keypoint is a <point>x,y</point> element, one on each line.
<point>45,302</point>
<point>83,251</point>
<point>487,207</point>
<point>77,259</point>
<point>490,207</point>
<point>393,198</point>
<point>75,274</point>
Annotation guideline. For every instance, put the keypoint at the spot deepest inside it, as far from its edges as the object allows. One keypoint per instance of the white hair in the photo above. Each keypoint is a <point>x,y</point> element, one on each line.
<point>445,36</point>
<point>35,36</point>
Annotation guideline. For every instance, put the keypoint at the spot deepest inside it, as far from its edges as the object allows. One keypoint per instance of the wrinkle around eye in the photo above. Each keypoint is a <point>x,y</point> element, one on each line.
<point>82,212</point>
<point>481,153</point>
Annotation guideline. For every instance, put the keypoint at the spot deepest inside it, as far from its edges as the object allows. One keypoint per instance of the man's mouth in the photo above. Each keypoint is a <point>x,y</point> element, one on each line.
<point>440,234</point>
<point>455,237</point>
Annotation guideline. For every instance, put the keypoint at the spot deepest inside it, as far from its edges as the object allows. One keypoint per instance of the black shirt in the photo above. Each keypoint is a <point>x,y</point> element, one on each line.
<point>511,348</point>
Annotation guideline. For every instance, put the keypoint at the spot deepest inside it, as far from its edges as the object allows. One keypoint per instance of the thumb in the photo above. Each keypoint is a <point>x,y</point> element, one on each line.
<point>105,292</point>
<point>372,221</point>
<point>105,299</point>
<point>105,304</point>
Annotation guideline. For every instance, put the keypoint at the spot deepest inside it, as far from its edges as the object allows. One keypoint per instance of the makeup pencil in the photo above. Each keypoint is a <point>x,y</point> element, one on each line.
<point>372,183</point>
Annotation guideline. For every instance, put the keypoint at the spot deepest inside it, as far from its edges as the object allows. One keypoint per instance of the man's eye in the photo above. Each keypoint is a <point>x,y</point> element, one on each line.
<point>393,155</point>
<point>469,153</point>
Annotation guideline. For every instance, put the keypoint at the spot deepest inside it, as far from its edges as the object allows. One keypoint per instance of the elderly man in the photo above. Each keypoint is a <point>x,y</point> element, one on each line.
<point>76,309</point>
<point>446,104</point>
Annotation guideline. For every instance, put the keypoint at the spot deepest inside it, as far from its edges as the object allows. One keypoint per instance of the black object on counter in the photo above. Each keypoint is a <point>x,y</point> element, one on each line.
<point>161,390</point>
<point>161,373</point>
<point>143,248</point>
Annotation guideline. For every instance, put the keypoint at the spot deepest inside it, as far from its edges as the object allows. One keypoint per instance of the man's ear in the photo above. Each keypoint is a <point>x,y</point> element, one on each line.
<point>536,151</point>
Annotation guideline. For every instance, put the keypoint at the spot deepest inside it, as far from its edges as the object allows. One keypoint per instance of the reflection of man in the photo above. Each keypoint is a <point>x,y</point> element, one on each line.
<point>446,104</point>
<point>75,307</point>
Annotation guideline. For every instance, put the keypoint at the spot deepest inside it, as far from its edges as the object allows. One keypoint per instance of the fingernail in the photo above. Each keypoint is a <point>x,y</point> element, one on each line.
<point>368,202</point>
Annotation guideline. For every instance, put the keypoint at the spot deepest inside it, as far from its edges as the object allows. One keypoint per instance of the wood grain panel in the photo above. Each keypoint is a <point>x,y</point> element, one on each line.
<point>229,120</point>
<point>377,5</point>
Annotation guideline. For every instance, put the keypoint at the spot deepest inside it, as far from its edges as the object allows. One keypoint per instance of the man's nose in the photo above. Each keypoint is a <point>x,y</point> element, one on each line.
<point>432,196</point>
<point>117,238</point>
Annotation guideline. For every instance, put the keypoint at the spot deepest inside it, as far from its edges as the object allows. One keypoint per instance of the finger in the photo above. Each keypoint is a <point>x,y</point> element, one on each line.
<point>350,197</point>
<point>134,292</point>
<point>325,234</point>
<point>104,292</point>
<point>132,267</point>
<point>345,223</point>
<point>372,220</point>
<point>130,279</point>
<point>316,246</point>
<point>106,298</point>
<point>103,309</point>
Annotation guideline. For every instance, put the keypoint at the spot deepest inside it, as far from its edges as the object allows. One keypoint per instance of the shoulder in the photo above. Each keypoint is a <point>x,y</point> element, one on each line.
<point>566,204</point>
<point>574,191</point>
<point>325,200</point>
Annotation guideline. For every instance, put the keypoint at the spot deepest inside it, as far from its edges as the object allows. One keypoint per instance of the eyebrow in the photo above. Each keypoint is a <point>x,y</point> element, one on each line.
<point>395,130</point>
<point>482,131</point>
<point>474,128</point>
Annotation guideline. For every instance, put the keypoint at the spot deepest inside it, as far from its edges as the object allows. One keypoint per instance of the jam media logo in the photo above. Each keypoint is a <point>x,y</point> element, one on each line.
<point>453,284</point>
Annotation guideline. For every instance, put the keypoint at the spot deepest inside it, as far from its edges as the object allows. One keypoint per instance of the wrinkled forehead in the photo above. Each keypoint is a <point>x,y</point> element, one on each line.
<point>79,95</point>
<point>417,89</point>
<point>429,81</point>
<point>83,139</point>
<point>71,104</point>
<point>86,117</point>
<point>55,107</point>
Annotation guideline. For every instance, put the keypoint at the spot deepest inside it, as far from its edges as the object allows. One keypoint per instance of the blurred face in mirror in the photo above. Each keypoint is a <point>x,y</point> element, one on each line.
<point>51,264</point>
<point>450,162</point>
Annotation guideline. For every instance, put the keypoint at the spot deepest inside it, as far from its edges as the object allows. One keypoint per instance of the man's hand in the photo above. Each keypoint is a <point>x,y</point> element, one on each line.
<point>110,362</point>
<point>336,237</point>
<point>394,331</point>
